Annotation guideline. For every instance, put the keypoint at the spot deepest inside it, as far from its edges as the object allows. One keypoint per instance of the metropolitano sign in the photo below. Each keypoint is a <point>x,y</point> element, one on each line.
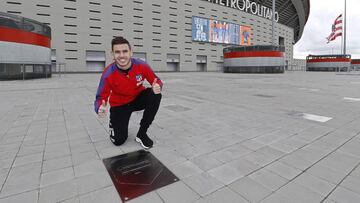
<point>249,7</point>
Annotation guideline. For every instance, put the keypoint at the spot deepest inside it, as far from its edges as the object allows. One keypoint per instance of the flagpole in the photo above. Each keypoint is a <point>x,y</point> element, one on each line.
<point>342,34</point>
<point>272,23</point>
<point>344,30</point>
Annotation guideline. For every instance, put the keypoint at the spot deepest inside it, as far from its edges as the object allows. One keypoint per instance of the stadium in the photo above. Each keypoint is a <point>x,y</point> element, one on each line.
<point>170,35</point>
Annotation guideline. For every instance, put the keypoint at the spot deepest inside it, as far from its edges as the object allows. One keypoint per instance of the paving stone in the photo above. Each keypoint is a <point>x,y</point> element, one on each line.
<point>203,183</point>
<point>90,167</point>
<point>352,183</point>
<point>57,163</point>
<point>296,161</point>
<point>185,169</point>
<point>315,184</point>
<point>339,162</point>
<point>230,153</point>
<point>32,158</point>
<point>108,195</point>
<point>276,198</point>
<point>170,158</point>
<point>356,172</point>
<point>225,195</point>
<point>298,193</point>
<point>226,173</point>
<point>206,162</point>
<point>152,197</point>
<point>177,192</point>
<point>244,166</point>
<point>351,148</point>
<point>6,163</point>
<point>56,176</point>
<point>29,197</point>
<point>21,179</point>
<point>93,182</point>
<point>250,190</point>
<point>58,192</point>
<point>252,144</point>
<point>343,195</point>
<point>8,154</point>
<point>260,158</point>
<point>283,170</point>
<point>268,179</point>
<point>71,200</point>
<point>326,174</point>
<point>79,158</point>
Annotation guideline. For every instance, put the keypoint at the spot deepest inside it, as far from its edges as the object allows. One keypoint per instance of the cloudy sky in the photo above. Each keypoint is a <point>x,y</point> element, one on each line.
<point>318,27</point>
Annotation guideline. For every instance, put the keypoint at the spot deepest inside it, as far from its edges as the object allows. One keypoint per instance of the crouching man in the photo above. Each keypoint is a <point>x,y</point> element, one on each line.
<point>121,84</point>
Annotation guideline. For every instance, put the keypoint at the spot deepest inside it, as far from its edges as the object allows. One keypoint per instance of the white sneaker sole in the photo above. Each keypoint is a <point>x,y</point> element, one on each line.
<point>139,141</point>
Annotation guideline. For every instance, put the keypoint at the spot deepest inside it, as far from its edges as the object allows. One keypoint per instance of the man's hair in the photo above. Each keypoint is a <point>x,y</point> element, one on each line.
<point>119,40</point>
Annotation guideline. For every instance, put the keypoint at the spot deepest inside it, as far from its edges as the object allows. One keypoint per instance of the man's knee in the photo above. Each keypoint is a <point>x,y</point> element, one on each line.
<point>153,96</point>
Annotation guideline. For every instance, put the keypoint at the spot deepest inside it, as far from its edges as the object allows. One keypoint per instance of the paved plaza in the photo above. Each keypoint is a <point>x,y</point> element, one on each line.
<point>292,137</point>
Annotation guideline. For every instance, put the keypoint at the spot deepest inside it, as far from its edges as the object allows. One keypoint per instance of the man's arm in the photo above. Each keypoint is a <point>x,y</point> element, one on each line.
<point>103,92</point>
<point>153,79</point>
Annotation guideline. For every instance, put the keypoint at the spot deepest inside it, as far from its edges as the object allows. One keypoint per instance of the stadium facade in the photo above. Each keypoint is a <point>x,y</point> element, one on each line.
<point>171,35</point>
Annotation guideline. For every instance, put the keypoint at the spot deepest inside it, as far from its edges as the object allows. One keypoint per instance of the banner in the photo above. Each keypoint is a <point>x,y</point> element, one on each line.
<point>336,29</point>
<point>245,35</point>
<point>200,29</point>
<point>216,31</point>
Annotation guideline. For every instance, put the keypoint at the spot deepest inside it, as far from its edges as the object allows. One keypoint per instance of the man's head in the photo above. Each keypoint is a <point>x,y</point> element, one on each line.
<point>121,51</point>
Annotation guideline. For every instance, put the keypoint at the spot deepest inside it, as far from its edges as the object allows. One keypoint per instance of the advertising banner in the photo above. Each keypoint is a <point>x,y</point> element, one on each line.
<point>217,31</point>
<point>245,35</point>
<point>234,31</point>
<point>200,29</point>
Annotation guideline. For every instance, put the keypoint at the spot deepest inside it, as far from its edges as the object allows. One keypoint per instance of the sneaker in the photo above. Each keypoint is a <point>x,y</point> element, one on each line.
<point>112,139</point>
<point>111,133</point>
<point>145,141</point>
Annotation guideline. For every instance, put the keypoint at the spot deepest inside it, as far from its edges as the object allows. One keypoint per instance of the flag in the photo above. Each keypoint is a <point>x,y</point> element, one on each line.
<point>336,29</point>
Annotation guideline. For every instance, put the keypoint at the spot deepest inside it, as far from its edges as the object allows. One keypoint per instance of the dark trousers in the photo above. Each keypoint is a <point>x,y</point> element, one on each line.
<point>120,115</point>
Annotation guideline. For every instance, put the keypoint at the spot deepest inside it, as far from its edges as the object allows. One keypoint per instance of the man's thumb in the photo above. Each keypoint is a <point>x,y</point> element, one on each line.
<point>103,103</point>
<point>155,80</point>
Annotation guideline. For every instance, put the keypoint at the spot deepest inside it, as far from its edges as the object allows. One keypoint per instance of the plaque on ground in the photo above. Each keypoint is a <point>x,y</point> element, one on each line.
<point>137,173</point>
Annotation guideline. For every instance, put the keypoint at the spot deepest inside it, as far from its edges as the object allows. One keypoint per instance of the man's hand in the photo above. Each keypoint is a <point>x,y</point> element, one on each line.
<point>139,83</point>
<point>156,87</point>
<point>102,109</point>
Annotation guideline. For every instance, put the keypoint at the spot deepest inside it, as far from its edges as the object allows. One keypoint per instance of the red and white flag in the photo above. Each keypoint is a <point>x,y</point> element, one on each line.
<point>336,29</point>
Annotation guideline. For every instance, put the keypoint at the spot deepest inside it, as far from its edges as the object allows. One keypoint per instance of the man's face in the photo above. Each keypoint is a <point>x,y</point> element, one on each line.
<point>122,55</point>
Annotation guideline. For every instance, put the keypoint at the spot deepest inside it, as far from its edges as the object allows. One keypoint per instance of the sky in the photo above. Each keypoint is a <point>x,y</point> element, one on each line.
<point>318,27</point>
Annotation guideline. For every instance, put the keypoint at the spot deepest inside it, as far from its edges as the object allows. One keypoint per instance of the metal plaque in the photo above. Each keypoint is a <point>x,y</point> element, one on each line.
<point>137,173</point>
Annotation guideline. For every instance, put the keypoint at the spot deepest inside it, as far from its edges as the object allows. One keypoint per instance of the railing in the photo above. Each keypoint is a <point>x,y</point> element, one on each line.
<point>11,71</point>
<point>254,48</point>
<point>295,68</point>
<point>338,56</point>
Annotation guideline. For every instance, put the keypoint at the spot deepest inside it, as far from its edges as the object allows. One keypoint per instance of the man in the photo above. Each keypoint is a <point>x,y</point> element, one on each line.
<point>122,83</point>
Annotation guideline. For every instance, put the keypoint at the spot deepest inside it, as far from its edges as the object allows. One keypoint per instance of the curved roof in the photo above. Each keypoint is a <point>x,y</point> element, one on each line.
<point>292,13</point>
<point>25,24</point>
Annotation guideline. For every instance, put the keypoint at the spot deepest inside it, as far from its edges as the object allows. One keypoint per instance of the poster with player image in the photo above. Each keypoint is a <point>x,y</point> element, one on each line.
<point>215,31</point>
<point>245,34</point>
<point>200,29</point>
<point>234,31</point>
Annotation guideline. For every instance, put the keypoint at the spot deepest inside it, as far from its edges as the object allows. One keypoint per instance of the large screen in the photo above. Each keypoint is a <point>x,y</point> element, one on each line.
<point>200,29</point>
<point>217,31</point>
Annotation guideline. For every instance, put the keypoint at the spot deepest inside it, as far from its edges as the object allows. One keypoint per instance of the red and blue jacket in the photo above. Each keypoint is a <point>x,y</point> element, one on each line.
<point>122,88</point>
